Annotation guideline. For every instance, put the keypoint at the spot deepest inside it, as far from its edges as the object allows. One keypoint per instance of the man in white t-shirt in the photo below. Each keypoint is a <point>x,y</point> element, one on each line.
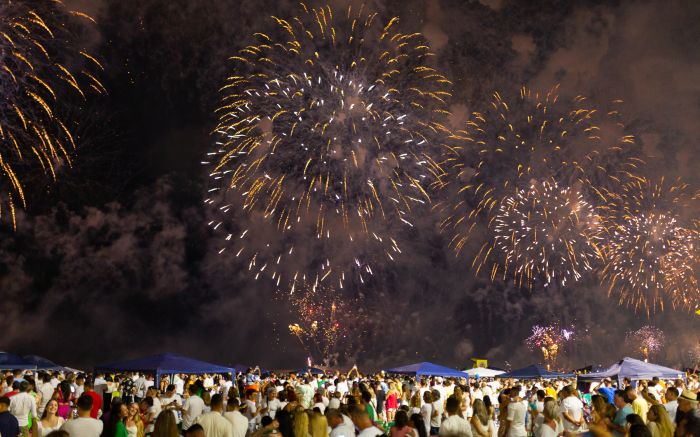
<point>273,404</point>
<point>213,422</point>
<point>454,425</point>
<point>192,409</point>
<point>515,414</point>
<point>46,390</point>
<point>83,425</point>
<point>239,421</point>
<point>436,414</point>
<point>360,418</point>
<point>251,411</point>
<point>571,410</point>
<point>338,426</point>
<point>21,405</point>
<point>171,401</point>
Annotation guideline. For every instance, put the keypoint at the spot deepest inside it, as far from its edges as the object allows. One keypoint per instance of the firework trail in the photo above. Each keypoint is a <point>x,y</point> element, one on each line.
<point>648,340</point>
<point>650,249</point>
<point>530,137</point>
<point>37,78</point>
<point>545,233</point>
<point>328,128</point>
<point>549,339</point>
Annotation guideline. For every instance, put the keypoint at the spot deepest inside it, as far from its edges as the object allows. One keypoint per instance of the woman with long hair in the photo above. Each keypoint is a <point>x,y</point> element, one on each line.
<point>301,423</point>
<point>659,423</point>
<point>481,422</point>
<point>65,399</point>
<point>50,420</point>
<point>134,424</point>
<point>416,422</point>
<point>318,425</point>
<point>414,404</point>
<point>392,401</point>
<point>550,426</point>
<point>166,426</point>
<point>115,426</point>
<point>401,427</point>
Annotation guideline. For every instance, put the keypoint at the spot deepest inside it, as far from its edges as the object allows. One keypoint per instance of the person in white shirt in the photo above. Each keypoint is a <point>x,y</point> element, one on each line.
<point>273,404</point>
<point>361,420</point>
<point>426,411</point>
<point>550,423</point>
<point>193,408</point>
<point>46,390</point>
<point>152,392</point>
<point>251,411</point>
<point>337,423</point>
<point>171,401</point>
<point>21,405</point>
<point>334,402</point>
<point>83,425</point>
<point>515,414</point>
<point>436,415</point>
<point>179,385</point>
<point>238,421</point>
<point>213,422</point>
<point>453,425</point>
<point>571,411</point>
<point>671,405</point>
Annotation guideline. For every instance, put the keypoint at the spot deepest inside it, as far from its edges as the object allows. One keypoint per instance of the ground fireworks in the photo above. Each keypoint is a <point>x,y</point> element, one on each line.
<point>35,83</point>
<point>544,233</point>
<point>329,125</point>
<point>324,319</point>
<point>549,340</point>
<point>648,340</point>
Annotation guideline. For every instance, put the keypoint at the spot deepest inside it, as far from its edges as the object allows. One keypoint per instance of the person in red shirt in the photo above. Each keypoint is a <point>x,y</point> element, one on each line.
<point>96,399</point>
<point>14,391</point>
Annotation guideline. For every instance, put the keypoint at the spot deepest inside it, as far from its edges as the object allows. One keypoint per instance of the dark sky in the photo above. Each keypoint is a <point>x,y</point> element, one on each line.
<point>116,259</point>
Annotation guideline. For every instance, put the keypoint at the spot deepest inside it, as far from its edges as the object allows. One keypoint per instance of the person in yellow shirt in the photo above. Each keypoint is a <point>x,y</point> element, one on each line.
<point>640,406</point>
<point>549,390</point>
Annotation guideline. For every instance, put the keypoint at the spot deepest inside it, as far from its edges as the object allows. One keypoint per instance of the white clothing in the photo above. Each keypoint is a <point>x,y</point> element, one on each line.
<point>132,431</point>
<point>436,420</point>
<point>334,403</point>
<point>273,406</point>
<point>342,388</point>
<point>83,427</point>
<point>455,426</point>
<point>168,400</point>
<point>193,408</point>
<point>238,421</point>
<point>516,416</point>
<point>671,408</point>
<point>426,411</point>
<point>573,406</point>
<point>343,430</point>
<point>215,425</point>
<point>479,429</point>
<point>44,430</point>
<point>320,407</point>
<point>46,391</point>
<point>546,431</point>
<point>21,405</point>
<point>372,431</point>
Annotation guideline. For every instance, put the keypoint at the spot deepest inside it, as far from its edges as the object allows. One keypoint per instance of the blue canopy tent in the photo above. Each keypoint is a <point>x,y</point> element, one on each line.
<point>429,369</point>
<point>310,370</point>
<point>534,372</point>
<point>164,364</point>
<point>10,361</point>
<point>42,363</point>
<point>634,370</point>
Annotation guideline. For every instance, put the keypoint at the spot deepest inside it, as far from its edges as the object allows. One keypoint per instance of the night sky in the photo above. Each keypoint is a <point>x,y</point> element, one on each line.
<point>116,259</point>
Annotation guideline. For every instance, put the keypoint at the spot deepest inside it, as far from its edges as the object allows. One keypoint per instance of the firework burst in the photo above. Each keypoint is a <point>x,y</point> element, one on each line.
<point>648,340</point>
<point>37,77</point>
<point>328,127</point>
<point>549,340</point>
<point>530,137</point>
<point>650,252</point>
<point>324,321</point>
<point>543,233</point>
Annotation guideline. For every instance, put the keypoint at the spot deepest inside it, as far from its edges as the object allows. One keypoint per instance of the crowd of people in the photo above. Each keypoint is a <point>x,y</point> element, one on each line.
<point>54,404</point>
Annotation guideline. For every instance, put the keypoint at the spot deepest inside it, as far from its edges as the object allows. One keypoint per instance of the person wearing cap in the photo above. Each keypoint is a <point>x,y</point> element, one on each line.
<point>688,415</point>
<point>607,390</point>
